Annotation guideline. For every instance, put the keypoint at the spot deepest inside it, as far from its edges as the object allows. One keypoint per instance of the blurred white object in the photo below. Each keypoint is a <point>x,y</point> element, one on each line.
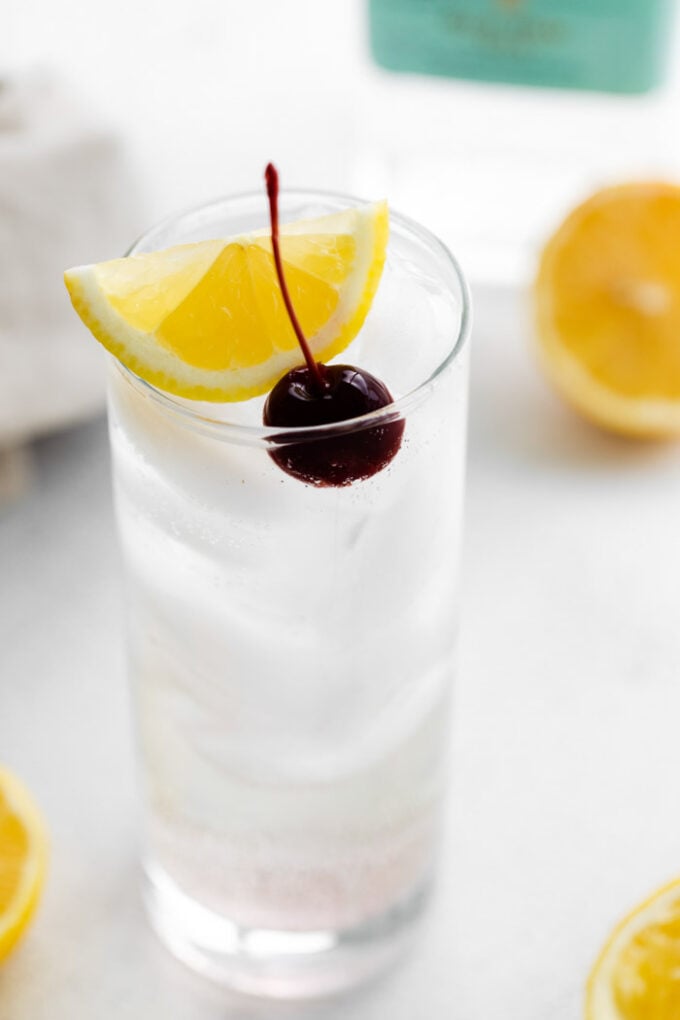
<point>65,198</point>
<point>16,472</point>
<point>492,169</point>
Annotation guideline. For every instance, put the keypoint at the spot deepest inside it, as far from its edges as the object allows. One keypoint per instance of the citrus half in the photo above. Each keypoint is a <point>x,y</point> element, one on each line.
<point>607,308</point>
<point>23,858</point>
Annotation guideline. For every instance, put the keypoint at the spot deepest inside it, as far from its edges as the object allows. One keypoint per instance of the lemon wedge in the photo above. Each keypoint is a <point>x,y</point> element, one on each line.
<point>207,320</point>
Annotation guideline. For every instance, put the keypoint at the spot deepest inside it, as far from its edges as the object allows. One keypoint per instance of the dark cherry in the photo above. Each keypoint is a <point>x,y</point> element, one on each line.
<point>296,402</point>
<point>316,394</point>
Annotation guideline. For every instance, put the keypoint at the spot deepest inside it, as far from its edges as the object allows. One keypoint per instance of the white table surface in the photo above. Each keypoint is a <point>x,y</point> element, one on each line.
<point>566,764</point>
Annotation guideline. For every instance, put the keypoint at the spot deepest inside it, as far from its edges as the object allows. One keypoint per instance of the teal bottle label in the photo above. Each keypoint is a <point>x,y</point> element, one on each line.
<point>605,45</point>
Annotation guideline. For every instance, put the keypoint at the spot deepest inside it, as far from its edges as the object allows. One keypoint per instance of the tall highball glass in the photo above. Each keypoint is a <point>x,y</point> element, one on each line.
<point>291,647</point>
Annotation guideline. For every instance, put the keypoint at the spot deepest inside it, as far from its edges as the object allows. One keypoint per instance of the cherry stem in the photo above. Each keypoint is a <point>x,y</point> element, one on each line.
<point>272,179</point>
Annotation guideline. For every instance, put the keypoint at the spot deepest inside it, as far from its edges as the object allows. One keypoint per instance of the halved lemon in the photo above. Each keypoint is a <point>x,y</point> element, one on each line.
<point>607,305</point>
<point>637,976</point>
<point>23,859</point>
<point>207,320</point>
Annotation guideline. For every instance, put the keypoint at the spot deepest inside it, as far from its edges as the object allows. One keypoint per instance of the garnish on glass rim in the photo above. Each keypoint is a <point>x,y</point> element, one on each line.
<point>207,320</point>
<point>318,394</point>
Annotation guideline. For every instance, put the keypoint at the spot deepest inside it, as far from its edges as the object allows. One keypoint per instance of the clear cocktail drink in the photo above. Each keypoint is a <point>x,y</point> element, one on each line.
<point>291,647</point>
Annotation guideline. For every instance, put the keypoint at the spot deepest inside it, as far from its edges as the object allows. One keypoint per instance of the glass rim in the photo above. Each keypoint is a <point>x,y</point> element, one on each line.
<point>277,435</point>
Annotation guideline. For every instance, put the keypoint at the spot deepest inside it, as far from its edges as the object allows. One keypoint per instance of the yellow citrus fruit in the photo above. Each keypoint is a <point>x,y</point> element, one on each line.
<point>23,859</point>
<point>207,320</point>
<point>637,976</point>
<point>607,306</point>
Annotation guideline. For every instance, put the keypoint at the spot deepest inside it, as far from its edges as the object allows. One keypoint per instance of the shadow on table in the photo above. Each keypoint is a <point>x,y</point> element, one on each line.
<point>516,416</point>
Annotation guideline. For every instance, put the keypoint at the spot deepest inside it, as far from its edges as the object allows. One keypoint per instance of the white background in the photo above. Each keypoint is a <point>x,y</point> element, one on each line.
<point>566,765</point>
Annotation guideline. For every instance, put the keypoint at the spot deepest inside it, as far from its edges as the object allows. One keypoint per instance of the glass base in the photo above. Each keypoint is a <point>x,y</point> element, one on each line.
<point>277,964</point>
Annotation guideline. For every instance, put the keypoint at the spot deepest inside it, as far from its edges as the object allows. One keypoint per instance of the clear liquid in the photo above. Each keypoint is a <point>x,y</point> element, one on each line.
<point>291,648</point>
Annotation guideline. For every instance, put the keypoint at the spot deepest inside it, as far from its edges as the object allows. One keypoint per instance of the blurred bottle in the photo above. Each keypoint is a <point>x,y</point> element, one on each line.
<point>611,45</point>
<point>492,166</point>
